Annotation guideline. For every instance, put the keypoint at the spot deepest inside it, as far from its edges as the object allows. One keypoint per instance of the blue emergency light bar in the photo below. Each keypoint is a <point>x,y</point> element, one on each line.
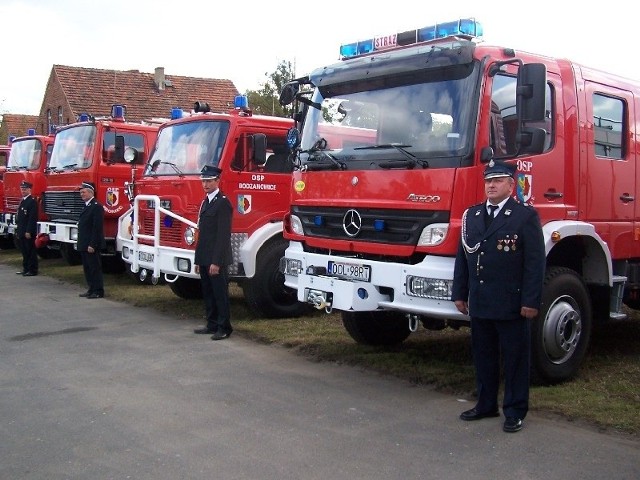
<point>118,111</point>
<point>241,102</point>
<point>466,27</point>
<point>83,117</point>
<point>31,132</point>
<point>176,112</point>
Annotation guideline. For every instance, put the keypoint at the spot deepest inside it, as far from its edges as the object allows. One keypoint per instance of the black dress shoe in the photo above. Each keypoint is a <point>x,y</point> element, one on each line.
<point>20,273</point>
<point>29,274</point>
<point>85,294</point>
<point>512,425</point>
<point>470,415</point>
<point>220,336</point>
<point>95,295</point>
<point>204,331</point>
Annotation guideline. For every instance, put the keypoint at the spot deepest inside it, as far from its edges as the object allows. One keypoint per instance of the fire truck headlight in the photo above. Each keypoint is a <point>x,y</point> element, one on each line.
<point>296,225</point>
<point>433,234</point>
<point>125,252</point>
<point>424,287</point>
<point>190,235</point>
<point>183,265</point>
<point>290,266</point>
<point>73,234</point>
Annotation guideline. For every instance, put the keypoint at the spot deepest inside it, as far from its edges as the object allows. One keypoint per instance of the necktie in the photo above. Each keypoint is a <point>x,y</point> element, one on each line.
<point>491,215</point>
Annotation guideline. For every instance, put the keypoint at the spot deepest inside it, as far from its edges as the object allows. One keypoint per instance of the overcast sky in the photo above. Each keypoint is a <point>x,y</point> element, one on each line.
<point>242,40</point>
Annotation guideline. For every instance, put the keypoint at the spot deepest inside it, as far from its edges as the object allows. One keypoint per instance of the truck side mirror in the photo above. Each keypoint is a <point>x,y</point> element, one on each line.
<point>532,140</point>
<point>288,93</point>
<point>532,80</point>
<point>259,148</point>
<point>118,154</point>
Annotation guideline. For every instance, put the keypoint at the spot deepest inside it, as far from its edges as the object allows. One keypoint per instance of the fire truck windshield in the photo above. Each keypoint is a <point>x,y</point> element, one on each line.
<point>185,147</point>
<point>25,155</point>
<point>428,116</point>
<point>73,148</point>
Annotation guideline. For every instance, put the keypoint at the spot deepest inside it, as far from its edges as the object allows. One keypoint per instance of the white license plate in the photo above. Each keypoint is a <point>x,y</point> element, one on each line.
<point>145,257</point>
<point>350,271</point>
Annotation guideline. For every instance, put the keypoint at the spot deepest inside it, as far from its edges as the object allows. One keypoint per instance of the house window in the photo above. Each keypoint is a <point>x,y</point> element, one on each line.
<point>59,115</point>
<point>48,120</point>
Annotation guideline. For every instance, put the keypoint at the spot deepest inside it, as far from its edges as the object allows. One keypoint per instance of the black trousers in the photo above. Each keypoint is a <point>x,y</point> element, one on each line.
<point>509,340</point>
<point>215,291</point>
<point>92,266</point>
<point>29,254</point>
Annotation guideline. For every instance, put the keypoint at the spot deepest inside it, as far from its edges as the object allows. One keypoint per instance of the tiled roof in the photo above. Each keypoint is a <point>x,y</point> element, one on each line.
<point>18,125</point>
<point>94,91</point>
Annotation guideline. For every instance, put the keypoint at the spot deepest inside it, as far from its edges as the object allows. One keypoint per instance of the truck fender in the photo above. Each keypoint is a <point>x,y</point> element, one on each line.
<point>600,268</point>
<point>250,248</point>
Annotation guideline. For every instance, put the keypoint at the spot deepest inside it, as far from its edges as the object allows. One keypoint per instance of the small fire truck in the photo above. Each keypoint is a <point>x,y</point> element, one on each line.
<point>29,158</point>
<point>375,224</point>
<point>159,236</point>
<point>105,151</point>
<point>6,239</point>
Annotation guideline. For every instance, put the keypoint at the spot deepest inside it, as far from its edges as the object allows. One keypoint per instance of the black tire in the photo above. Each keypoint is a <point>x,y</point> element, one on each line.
<point>113,264</point>
<point>376,328</point>
<point>46,253</point>
<point>7,242</point>
<point>70,255</point>
<point>265,293</point>
<point>561,333</point>
<point>187,288</point>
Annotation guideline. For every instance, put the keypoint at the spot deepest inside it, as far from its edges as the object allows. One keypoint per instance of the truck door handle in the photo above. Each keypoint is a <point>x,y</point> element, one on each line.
<point>552,194</point>
<point>625,197</point>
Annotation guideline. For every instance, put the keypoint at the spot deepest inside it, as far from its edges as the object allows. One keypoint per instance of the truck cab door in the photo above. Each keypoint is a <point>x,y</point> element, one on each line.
<point>609,188</point>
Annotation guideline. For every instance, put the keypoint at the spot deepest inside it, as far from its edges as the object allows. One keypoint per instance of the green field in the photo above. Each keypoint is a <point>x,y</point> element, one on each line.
<point>605,394</point>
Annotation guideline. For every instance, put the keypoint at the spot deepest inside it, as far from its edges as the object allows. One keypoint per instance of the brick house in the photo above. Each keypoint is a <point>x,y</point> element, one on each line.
<point>16,125</point>
<point>72,91</point>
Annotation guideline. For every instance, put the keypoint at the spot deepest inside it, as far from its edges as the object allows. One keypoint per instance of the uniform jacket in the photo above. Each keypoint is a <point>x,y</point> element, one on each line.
<point>506,272</point>
<point>214,237</point>
<point>27,218</point>
<point>90,227</point>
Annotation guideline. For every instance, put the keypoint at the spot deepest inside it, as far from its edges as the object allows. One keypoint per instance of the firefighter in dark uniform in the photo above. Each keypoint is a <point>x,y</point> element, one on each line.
<point>498,278</point>
<point>26,230</point>
<point>91,241</point>
<point>213,255</point>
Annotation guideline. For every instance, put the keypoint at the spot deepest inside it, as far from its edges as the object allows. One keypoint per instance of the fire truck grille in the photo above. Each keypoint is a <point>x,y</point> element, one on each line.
<point>11,204</point>
<point>397,227</point>
<point>169,235</point>
<point>63,205</point>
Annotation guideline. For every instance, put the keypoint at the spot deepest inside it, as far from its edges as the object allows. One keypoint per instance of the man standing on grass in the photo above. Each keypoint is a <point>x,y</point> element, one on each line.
<point>26,231</point>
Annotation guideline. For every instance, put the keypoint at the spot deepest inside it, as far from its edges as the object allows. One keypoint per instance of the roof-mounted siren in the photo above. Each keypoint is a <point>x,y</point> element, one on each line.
<point>201,107</point>
<point>31,132</point>
<point>11,139</point>
<point>118,112</point>
<point>463,27</point>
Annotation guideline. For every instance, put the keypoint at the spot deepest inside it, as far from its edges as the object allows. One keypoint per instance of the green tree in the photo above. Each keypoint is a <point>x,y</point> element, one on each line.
<point>264,101</point>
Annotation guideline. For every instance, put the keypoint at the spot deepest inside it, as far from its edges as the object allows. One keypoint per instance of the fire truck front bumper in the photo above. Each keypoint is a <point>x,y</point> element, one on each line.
<point>168,261</point>
<point>350,284</point>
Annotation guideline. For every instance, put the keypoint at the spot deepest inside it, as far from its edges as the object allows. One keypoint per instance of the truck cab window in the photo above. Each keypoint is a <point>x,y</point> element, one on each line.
<point>608,116</point>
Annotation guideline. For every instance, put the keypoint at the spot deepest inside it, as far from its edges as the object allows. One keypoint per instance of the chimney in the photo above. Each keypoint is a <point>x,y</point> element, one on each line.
<point>158,78</point>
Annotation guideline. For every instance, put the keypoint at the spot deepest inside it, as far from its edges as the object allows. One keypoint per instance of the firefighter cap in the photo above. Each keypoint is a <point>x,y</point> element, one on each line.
<point>89,185</point>
<point>496,169</point>
<point>210,172</point>
<point>25,184</point>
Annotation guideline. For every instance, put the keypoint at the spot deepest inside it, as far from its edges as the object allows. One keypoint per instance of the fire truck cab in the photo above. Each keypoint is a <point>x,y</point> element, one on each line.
<point>375,224</point>
<point>158,237</point>
<point>105,151</point>
<point>28,161</point>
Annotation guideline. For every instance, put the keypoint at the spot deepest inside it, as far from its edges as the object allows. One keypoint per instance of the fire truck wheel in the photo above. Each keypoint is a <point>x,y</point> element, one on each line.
<point>46,253</point>
<point>71,256</point>
<point>560,334</point>
<point>187,288</point>
<point>265,293</point>
<point>376,328</point>
<point>7,243</point>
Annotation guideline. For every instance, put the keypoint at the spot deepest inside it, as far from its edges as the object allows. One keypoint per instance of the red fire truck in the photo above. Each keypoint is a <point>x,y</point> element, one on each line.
<point>29,158</point>
<point>104,151</point>
<point>6,239</point>
<point>169,195</point>
<point>374,225</point>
